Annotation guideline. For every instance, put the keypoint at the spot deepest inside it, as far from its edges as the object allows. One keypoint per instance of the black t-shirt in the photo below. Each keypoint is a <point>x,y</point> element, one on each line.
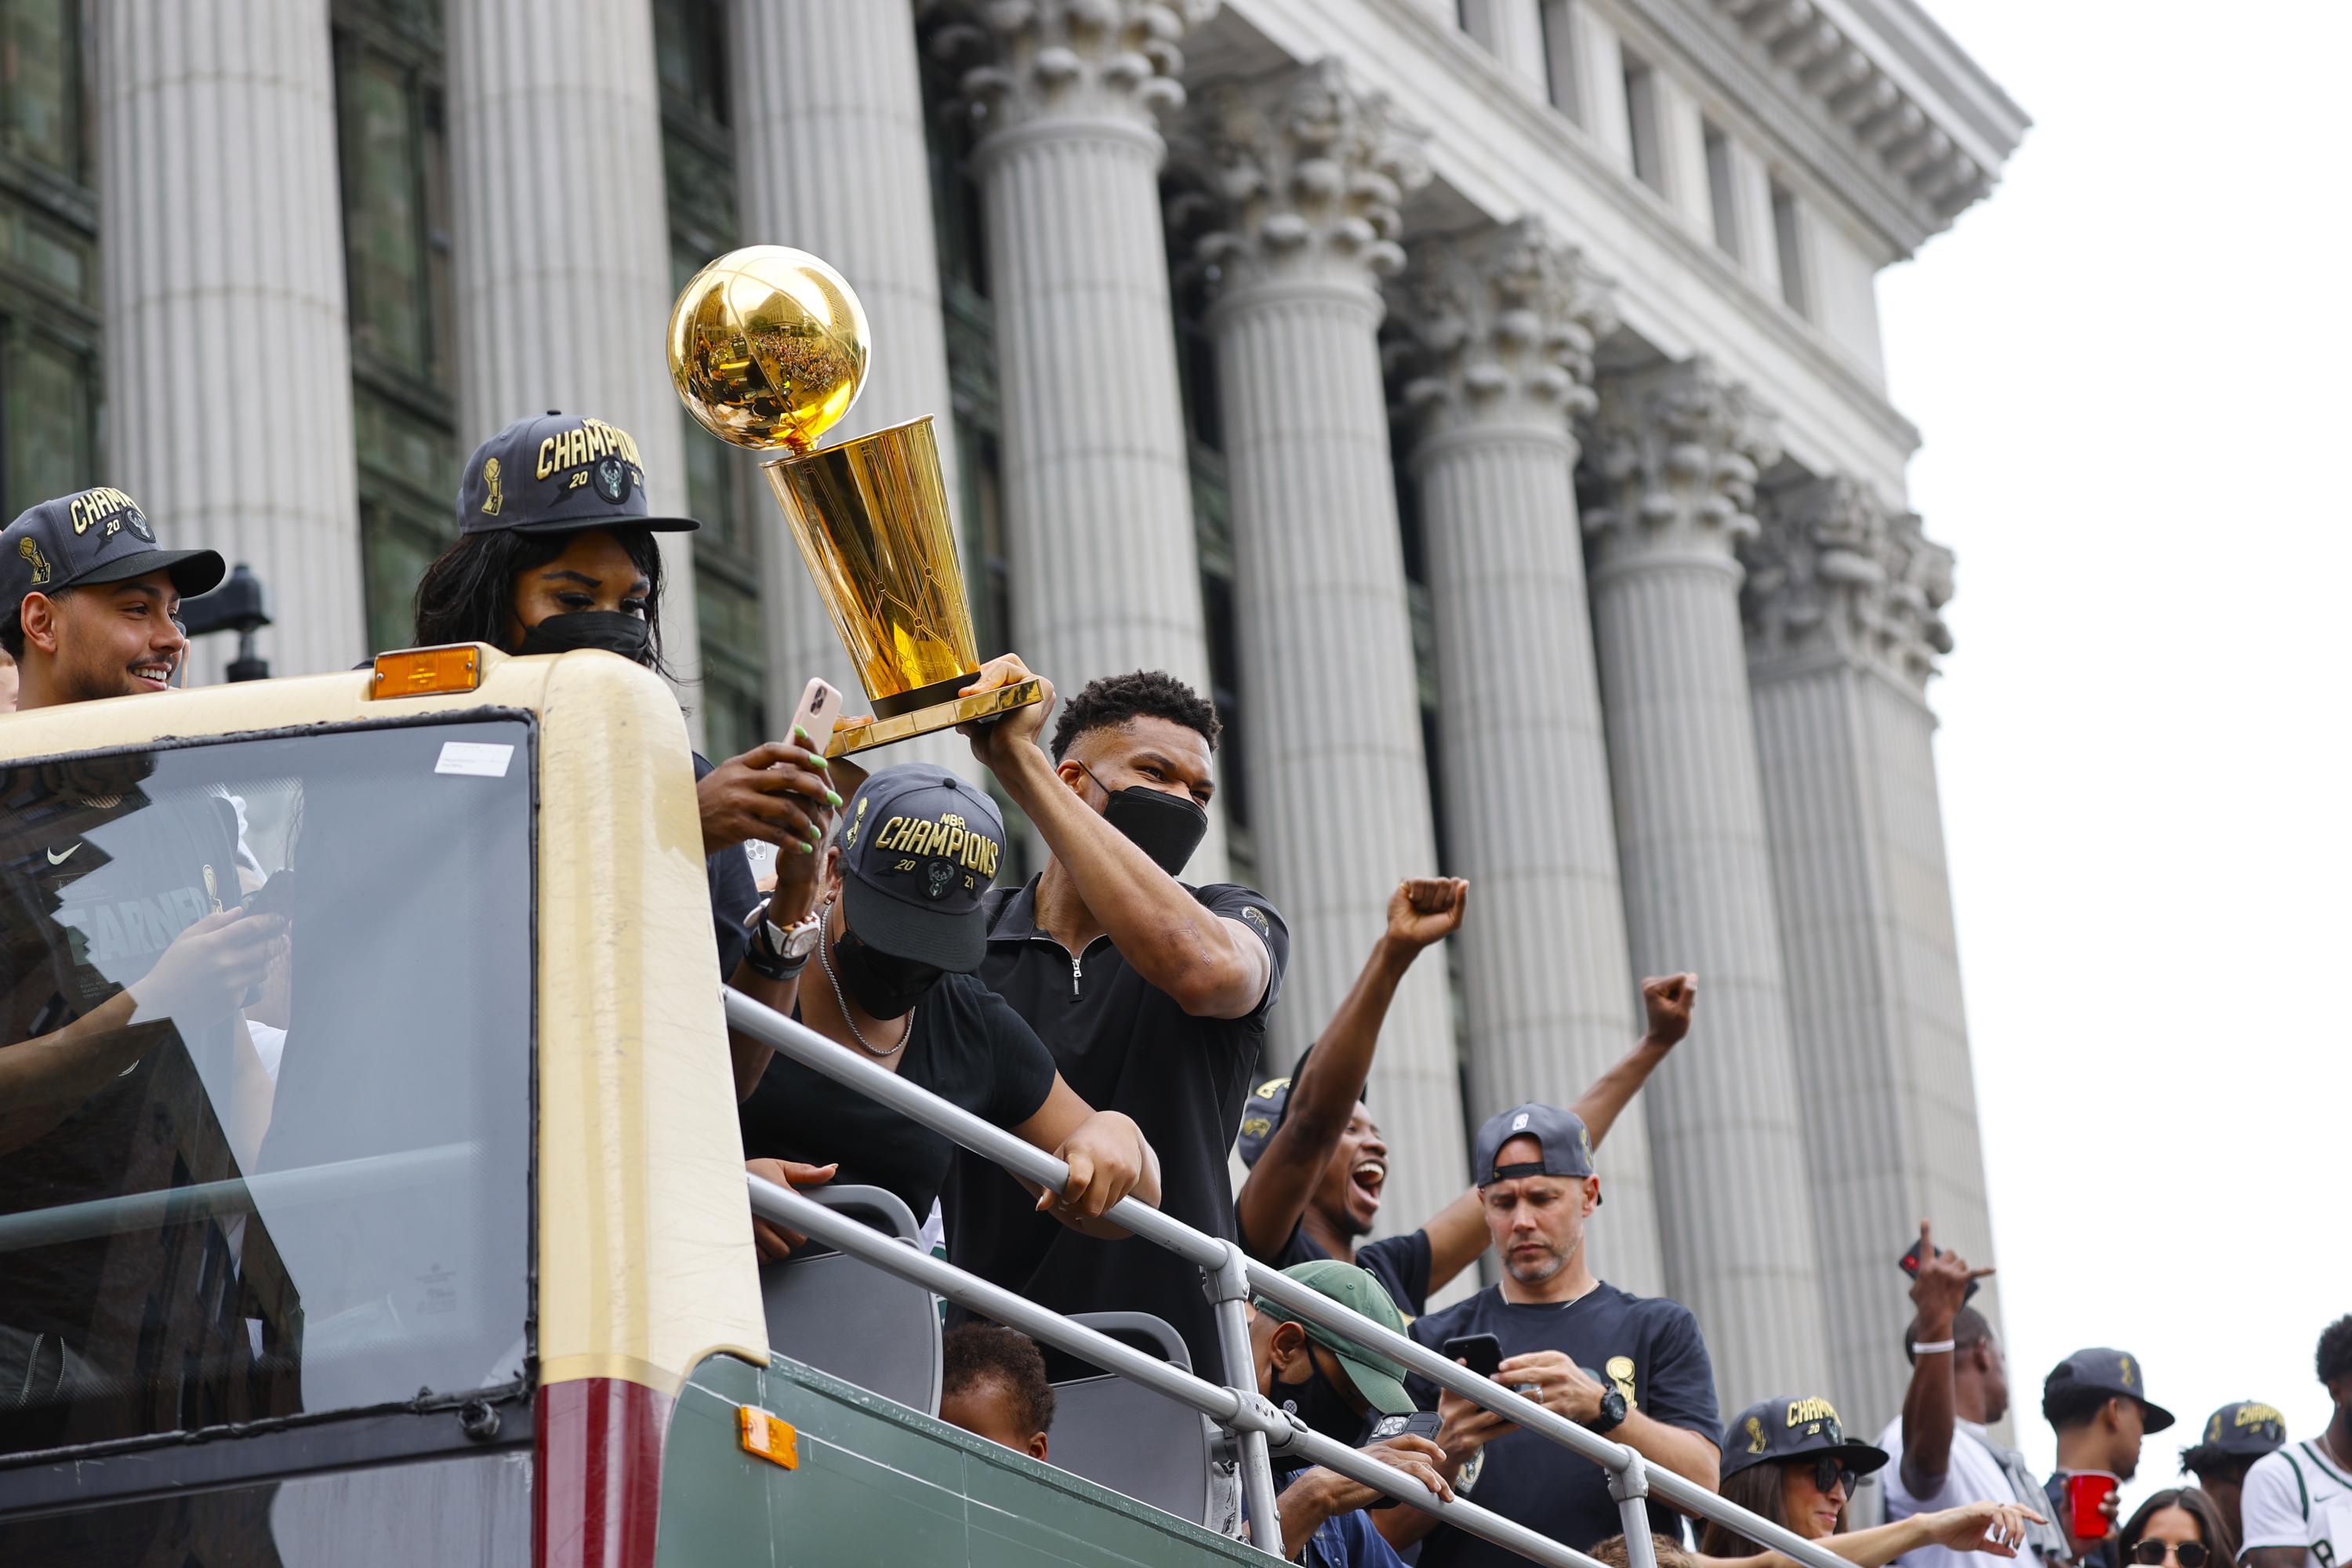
<point>967,1047</point>
<point>1648,1346</point>
<point>1401,1263</point>
<point>733,893</point>
<point>2103,1555</point>
<point>1123,1044</point>
<point>92,896</point>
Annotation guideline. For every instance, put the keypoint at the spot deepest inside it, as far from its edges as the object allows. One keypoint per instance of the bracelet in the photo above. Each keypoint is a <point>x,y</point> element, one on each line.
<point>1934,1347</point>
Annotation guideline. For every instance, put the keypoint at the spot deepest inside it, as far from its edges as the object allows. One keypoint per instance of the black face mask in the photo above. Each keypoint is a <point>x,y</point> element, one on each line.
<point>1167,827</point>
<point>614,631</point>
<point>1319,1404</point>
<point>883,985</point>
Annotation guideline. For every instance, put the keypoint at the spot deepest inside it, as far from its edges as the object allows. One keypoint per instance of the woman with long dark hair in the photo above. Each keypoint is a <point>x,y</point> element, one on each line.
<point>556,553</point>
<point>2177,1527</point>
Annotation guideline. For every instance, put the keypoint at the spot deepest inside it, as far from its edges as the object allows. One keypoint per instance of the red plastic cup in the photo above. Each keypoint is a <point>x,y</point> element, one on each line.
<point>2087,1492</point>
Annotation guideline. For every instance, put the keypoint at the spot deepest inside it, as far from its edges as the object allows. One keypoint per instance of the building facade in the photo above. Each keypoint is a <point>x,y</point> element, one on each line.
<point>1482,398</point>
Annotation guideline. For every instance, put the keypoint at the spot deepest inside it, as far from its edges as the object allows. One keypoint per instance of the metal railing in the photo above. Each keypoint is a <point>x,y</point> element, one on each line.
<point>1233,1277</point>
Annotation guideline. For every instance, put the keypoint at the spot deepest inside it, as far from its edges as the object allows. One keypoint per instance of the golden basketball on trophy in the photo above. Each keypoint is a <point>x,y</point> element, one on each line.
<point>768,351</point>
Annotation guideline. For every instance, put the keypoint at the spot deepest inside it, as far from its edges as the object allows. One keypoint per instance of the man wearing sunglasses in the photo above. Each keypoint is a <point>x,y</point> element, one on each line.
<point>2096,1401</point>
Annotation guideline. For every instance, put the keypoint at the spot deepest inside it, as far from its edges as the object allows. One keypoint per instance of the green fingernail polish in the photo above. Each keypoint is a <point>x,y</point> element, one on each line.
<point>833,797</point>
<point>818,760</point>
<point>799,733</point>
<point>808,848</point>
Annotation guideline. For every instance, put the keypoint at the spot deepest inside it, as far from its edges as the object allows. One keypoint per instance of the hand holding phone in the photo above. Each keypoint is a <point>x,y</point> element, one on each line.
<point>820,706</point>
<point>1910,1261</point>
<point>1482,1352</point>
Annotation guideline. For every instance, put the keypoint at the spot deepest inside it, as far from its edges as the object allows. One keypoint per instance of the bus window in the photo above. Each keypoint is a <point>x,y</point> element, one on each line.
<point>265,1080</point>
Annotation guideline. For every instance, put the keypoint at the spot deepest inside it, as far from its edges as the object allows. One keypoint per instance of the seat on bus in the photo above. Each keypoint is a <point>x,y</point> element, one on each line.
<point>1123,1436</point>
<point>847,1317</point>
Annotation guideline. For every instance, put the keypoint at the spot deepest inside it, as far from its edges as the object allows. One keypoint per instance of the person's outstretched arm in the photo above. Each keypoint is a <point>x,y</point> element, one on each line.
<point>1421,911</point>
<point>1666,1004</point>
<point>1214,967</point>
<point>1937,1295</point>
<point>1995,1529</point>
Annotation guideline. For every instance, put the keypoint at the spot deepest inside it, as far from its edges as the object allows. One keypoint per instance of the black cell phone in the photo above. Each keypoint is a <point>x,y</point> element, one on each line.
<point>1910,1261</point>
<point>1420,1423</point>
<point>274,897</point>
<point>1482,1351</point>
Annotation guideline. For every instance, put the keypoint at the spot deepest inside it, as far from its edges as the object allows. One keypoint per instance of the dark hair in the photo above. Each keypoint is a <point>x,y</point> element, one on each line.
<point>2072,1405</point>
<point>1969,1329</point>
<point>983,1353</point>
<point>1670,1553</point>
<point>2208,1463</point>
<point>468,595</point>
<point>2211,1526</point>
<point>1139,694</point>
<point>1755,1489</point>
<point>2334,1355</point>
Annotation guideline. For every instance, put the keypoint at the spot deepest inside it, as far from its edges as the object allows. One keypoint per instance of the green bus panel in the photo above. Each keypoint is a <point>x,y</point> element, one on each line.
<point>877,1482</point>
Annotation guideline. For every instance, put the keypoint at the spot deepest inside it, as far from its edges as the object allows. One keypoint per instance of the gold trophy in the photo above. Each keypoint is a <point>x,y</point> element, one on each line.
<point>768,351</point>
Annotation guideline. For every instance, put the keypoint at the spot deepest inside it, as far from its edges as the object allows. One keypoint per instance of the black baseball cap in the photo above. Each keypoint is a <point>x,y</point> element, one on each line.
<point>918,854</point>
<point>1779,1428</point>
<point>2108,1372</point>
<point>92,537</point>
<point>1566,1146</point>
<point>558,473</point>
<point>1263,1111</point>
<point>2243,1430</point>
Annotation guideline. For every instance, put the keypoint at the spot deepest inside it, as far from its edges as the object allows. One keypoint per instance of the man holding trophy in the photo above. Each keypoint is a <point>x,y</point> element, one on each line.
<point>1151,996</point>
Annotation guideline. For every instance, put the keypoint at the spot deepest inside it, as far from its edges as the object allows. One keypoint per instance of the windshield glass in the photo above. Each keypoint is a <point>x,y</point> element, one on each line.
<point>265,1098</point>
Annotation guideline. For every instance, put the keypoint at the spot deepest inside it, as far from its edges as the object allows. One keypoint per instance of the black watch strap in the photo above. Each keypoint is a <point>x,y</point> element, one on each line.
<point>765,961</point>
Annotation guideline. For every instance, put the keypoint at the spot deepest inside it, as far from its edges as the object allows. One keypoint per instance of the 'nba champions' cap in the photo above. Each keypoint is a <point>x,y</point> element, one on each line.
<point>2104,1370</point>
<point>2246,1429</point>
<point>1566,1146</point>
<point>918,854</point>
<point>1267,1104</point>
<point>1775,1429</point>
<point>92,537</point>
<point>558,473</point>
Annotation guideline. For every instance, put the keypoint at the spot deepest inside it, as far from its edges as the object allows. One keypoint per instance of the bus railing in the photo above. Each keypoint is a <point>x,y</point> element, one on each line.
<point>1233,1277</point>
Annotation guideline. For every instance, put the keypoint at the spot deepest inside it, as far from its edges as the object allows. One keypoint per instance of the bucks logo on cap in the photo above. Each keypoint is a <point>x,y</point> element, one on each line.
<point>921,851</point>
<point>558,473</point>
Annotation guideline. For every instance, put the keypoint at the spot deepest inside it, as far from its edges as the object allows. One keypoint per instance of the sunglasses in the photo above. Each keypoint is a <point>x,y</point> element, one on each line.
<point>1828,1471</point>
<point>2188,1554</point>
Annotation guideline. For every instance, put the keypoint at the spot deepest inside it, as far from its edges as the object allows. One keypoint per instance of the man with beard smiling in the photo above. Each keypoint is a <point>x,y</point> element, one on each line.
<point>1631,1368</point>
<point>92,603</point>
<point>1317,1161</point>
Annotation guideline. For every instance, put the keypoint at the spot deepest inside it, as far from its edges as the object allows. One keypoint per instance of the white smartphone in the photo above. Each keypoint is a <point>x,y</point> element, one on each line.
<point>820,706</point>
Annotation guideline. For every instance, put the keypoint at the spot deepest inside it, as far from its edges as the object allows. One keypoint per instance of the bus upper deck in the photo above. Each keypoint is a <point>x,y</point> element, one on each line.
<point>371,1190</point>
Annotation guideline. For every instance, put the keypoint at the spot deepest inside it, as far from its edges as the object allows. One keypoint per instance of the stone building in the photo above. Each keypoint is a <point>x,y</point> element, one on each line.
<point>1484,401</point>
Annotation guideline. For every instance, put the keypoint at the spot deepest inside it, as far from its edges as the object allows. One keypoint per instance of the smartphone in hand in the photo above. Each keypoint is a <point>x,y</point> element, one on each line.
<point>1483,1352</point>
<point>820,706</point>
<point>1909,1263</point>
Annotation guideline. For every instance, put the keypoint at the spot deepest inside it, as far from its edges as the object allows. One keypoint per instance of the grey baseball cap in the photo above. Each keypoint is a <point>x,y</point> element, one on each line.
<point>1566,1146</point>
<point>89,538</point>
<point>920,851</point>
<point>558,473</point>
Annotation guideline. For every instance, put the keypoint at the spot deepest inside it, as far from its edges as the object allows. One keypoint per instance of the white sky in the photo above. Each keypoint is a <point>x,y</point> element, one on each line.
<point>2128,368</point>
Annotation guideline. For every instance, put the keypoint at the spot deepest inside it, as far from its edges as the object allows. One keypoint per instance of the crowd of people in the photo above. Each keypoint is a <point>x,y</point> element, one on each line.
<point>1116,1016</point>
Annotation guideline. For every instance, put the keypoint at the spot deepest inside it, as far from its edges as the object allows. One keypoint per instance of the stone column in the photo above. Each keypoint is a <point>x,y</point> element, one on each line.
<point>830,158</point>
<point>563,269</point>
<point>1844,597</point>
<point>227,344</point>
<point>1496,341</point>
<point>1311,170</point>
<point>1679,450</point>
<point>1098,487</point>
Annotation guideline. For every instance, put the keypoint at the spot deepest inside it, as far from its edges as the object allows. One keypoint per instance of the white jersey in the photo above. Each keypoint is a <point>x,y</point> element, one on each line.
<point>1975,1473</point>
<point>2296,1497</point>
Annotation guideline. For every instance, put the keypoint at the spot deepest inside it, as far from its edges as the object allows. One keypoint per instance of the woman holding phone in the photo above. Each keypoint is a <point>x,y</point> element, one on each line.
<point>556,552</point>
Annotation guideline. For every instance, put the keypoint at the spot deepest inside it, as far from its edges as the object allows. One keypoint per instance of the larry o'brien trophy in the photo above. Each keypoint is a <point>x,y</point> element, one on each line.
<point>768,349</point>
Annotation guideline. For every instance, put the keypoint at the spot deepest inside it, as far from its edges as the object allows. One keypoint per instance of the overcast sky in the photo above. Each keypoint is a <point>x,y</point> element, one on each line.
<point>2129,366</point>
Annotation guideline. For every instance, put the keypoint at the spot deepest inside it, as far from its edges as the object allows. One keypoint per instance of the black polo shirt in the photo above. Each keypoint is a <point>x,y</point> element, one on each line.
<point>1123,1044</point>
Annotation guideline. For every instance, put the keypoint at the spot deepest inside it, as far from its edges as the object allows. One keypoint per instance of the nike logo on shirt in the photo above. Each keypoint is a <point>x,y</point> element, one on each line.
<point>56,858</point>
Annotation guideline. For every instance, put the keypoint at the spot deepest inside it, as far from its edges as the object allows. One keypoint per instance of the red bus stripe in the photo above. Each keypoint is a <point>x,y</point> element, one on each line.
<point>599,1487</point>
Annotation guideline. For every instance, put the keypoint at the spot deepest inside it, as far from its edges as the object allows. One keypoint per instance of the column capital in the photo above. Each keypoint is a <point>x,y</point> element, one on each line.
<point>1113,63</point>
<point>1498,326</point>
<point>1833,568</point>
<point>1680,446</point>
<point>1308,170</point>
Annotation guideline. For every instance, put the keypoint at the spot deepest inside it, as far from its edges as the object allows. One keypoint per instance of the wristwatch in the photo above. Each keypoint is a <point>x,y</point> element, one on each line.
<point>776,953</point>
<point>1613,1406</point>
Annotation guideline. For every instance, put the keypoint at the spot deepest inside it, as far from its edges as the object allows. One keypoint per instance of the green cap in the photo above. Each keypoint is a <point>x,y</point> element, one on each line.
<point>1379,1380</point>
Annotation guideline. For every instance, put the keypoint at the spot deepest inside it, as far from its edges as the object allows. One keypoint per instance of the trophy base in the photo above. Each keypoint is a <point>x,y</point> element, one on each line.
<point>936,716</point>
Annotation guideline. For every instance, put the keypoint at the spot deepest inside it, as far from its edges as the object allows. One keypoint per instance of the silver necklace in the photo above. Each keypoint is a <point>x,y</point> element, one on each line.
<point>824,962</point>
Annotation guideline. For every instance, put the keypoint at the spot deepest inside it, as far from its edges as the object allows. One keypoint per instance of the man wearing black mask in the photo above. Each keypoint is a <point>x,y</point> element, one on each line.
<point>1152,995</point>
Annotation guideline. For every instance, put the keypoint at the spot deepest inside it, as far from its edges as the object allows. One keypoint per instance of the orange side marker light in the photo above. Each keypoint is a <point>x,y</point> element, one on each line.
<point>764,1436</point>
<point>428,671</point>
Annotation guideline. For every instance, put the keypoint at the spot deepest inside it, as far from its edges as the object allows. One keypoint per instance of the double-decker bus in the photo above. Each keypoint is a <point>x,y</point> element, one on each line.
<point>371,1191</point>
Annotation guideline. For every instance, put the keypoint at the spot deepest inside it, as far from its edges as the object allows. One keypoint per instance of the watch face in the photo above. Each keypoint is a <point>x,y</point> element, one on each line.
<point>798,942</point>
